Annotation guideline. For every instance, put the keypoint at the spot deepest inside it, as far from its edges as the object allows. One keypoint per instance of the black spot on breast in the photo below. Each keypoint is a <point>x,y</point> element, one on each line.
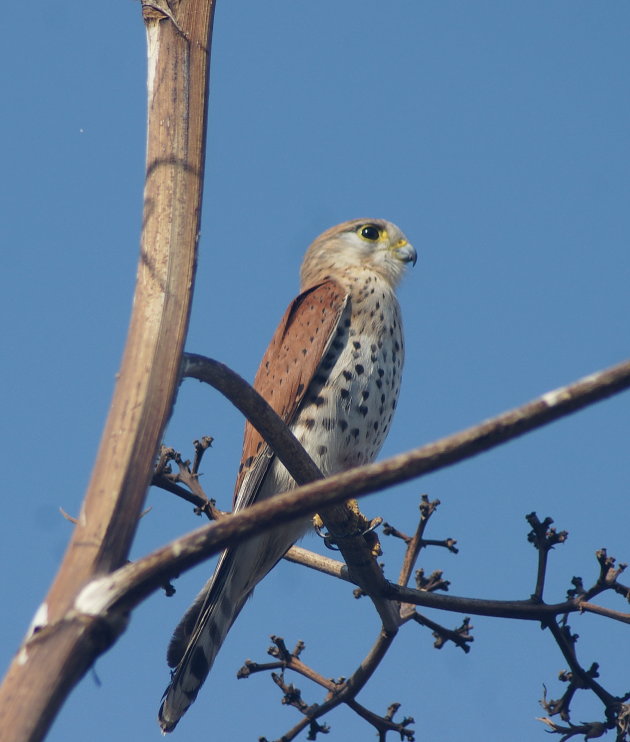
<point>347,375</point>
<point>379,383</point>
<point>355,432</point>
<point>359,369</point>
<point>328,423</point>
<point>343,425</point>
<point>248,461</point>
<point>319,400</point>
<point>321,450</point>
<point>365,394</point>
<point>356,344</point>
<point>363,409</point>
<point>309,423</point>
<point>344,393</point>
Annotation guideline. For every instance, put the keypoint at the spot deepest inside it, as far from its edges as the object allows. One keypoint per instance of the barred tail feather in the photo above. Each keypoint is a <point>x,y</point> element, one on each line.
<point>195,645</point>
<point>201,632</point>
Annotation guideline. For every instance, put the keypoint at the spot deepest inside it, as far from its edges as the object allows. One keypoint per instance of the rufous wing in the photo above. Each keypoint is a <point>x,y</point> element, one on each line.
<point>287,369</point>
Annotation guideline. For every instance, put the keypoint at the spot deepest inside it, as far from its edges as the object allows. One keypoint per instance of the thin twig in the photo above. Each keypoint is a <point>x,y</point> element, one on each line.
<point>415,544</point>
<point>311,559</point>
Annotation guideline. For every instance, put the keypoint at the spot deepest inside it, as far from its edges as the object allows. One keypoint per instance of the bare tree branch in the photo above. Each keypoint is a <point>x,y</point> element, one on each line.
<point>362,480</point>
<point>543,537</point>
<point>325,565</point>
<point>132,583</point>
<point>65,645</point>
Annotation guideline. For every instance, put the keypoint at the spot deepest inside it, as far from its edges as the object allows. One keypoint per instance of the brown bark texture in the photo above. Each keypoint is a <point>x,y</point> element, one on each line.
<point>64,641</point>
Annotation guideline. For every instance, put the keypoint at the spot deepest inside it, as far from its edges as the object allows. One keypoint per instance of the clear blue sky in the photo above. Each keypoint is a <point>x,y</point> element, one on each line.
<point>497,136</point>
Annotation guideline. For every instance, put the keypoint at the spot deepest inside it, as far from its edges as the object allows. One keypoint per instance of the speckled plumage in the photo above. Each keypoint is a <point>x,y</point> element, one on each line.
<point>332,371</point>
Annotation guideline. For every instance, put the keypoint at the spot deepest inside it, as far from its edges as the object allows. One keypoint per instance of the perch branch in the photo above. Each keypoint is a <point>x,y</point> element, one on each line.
<point>132,583</point>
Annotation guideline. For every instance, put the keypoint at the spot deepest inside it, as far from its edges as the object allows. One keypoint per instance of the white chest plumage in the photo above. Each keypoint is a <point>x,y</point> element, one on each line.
<point>344,420</point>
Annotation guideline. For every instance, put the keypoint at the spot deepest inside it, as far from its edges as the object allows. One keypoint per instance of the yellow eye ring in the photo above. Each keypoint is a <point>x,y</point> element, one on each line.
<point>370,232</point>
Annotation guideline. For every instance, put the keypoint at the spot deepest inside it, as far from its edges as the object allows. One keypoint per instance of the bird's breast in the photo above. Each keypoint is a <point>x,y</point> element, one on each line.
<point>348,410</point>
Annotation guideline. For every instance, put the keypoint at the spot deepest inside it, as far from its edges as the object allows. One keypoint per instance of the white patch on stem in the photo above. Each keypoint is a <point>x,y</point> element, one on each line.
<point>40,619</point>
<point>95,598</point>
<point>153,49</point>
<point>553,397</point>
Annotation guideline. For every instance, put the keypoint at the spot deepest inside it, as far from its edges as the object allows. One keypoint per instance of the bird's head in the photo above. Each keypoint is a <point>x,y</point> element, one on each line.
<point>356,246</point>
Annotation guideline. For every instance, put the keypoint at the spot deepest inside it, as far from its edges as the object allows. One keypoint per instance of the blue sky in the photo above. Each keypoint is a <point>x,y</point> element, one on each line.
<point>496,136</point>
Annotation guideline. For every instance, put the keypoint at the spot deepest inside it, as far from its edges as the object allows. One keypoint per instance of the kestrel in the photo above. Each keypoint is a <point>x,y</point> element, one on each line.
<point>332,372</point>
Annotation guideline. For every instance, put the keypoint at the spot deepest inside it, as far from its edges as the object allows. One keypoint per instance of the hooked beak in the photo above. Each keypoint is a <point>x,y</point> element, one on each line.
<point>405,252</point>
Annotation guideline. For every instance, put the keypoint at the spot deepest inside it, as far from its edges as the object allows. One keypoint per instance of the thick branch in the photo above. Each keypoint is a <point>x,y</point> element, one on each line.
<point>549,407</point>
<point>500,429</point>
<point>47,668</point>
<point>133,582</point>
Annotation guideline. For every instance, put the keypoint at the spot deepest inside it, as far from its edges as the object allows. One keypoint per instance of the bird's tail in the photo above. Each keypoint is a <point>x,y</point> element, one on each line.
<point>197,640</point>
<point>199,635</point>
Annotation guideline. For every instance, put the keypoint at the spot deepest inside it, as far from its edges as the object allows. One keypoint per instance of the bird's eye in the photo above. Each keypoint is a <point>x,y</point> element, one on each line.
<point>370,232</point>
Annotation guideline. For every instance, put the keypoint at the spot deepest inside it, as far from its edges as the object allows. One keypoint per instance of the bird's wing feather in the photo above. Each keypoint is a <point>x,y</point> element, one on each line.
<point>295,352</point>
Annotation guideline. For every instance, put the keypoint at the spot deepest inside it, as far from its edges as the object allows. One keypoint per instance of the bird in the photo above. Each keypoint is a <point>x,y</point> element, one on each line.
<point>332,372</point>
